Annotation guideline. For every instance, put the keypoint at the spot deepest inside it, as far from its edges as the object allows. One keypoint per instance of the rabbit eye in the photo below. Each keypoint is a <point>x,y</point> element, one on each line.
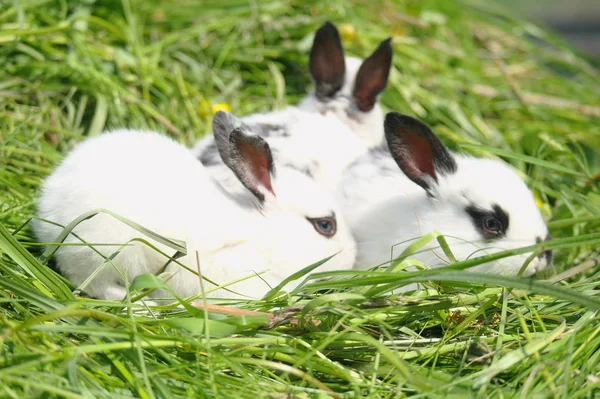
<point>492,226</point>
<point>324,226</point>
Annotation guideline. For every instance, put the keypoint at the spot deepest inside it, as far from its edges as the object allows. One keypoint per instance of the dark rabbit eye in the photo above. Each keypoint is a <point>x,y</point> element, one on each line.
<point>492,225</point>
<point>324,226</point>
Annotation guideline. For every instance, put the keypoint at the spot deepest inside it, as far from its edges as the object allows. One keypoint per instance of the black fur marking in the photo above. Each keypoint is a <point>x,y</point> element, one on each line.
<point>416,149</point>
<point>252,162</point>
<point>210,156</point>
<point>547,254</point>
<point>479,216</point>
<point>443,159</point>
<point>306,169</point>
<point>326,61</point>
<point>269,130</point>
<point>501,215</point>
<point>222,125</point>
<point>372,76</point>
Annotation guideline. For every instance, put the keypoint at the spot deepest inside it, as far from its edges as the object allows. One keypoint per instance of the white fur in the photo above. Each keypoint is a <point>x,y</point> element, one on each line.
<point>322,137</point>
<point>154,181</point>
<point>319,145</point>
<point>385,208</point>
<point>367,126</point>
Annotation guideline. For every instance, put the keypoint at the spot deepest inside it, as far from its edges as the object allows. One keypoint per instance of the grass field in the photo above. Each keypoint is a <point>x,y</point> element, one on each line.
<point>488,83</point>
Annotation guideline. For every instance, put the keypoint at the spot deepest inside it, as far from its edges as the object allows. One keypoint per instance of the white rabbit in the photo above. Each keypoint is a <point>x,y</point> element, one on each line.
<point>157,183</point>
<point>348,87</point>
<point>480,205</point>
<point>332,126</point>
<point>319,146</point>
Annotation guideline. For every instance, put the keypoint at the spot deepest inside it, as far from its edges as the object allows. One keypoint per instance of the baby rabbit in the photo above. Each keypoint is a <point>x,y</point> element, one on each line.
<point>348,87</point>
<point>157,183</point>
<point>343,108</point>
<point>319,146</point>
<point>481,206</point>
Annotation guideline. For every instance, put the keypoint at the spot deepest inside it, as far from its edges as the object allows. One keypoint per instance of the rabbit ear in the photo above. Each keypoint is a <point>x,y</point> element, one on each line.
<point>327,64</point>
<point>223,124</point>
<point>417,150</point>
<point>372,76</point>
<point>251,161</point>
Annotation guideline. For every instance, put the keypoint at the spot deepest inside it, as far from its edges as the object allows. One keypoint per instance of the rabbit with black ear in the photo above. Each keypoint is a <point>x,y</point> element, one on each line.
<point>343,108</point>
<point>157,183</point>
<point>415,185</point>
<point>320,146</point>
<point>348,88</point>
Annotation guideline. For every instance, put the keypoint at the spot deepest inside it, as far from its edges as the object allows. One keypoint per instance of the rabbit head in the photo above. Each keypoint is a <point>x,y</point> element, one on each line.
<point>347,87</point>
<point>481,206</point>
<point>302,224</point>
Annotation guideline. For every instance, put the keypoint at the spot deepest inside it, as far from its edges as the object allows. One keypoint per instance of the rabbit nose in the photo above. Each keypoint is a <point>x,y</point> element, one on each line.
<point>547,254</point>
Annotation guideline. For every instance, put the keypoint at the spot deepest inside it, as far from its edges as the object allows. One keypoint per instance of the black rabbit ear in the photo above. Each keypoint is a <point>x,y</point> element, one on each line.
<point>223,124</point>
<point>372,76</point>
<point>327,65</point>
<point>417,150</point>
<point>252,162</point>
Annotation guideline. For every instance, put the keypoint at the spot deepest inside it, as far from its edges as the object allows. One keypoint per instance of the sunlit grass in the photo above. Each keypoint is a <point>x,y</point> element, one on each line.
<point>488,83</point>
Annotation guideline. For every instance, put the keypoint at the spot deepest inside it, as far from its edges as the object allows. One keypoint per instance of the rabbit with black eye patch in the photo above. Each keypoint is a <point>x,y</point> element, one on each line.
<point>335,124</point>
<point>414,185</point>
<point>154,181</point>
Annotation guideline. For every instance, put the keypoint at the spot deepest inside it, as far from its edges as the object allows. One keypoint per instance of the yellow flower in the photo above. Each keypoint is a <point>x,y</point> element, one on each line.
<point>544,208</point>
<point>398,31</point>
<point>220,107</point>
<point>539,203</point>
<point>206,108</point>
<point>348,32</point>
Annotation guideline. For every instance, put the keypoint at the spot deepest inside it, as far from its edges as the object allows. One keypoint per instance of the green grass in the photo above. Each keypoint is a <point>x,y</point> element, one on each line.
<point>490,84</point>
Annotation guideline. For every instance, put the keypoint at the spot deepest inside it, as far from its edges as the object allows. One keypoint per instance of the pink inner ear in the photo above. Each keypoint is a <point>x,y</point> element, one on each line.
<point>364,99</point>
<point>367,87</point>
<point>372,76</point>
<point>327,65</point>
<point>328,69</point>
<point>258,162</point>
<point>420,156</point>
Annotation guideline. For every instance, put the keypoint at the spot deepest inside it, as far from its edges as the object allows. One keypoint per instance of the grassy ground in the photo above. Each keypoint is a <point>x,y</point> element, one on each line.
<point>489,84</point>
